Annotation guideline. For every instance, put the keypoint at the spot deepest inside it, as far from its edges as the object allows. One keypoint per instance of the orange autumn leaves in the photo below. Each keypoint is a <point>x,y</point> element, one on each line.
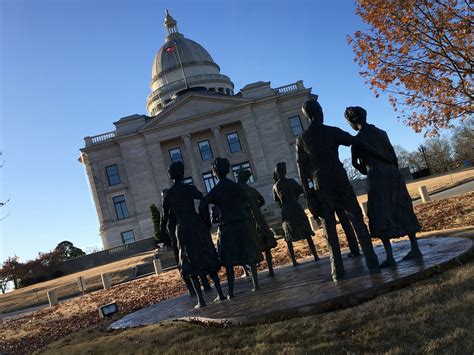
<point>420,53</point>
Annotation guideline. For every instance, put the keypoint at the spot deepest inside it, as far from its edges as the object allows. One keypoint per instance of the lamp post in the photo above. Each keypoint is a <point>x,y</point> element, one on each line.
<point>422,150</point>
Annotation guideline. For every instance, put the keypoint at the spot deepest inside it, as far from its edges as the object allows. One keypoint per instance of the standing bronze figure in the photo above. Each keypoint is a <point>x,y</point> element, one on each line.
<point>349,232</point>
<point>237,242</point>
<point>197,254</point>
<point>389,205</point>
<point>294,220</point>
<point>265,239</point>
<point>168,228</point>
<point>318,159</point>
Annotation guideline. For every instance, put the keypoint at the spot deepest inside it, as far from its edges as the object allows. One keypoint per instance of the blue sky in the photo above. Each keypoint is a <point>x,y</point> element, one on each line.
<point>70,68</point>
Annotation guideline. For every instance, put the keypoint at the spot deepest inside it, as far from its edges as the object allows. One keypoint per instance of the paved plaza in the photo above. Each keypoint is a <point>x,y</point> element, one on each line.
<point>306,289</point>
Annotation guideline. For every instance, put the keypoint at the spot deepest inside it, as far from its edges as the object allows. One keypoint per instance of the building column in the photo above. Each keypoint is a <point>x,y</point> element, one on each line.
<point>195,172</point>
<point>255,148</point>
<point>158,164</point>
<point>216,133</point>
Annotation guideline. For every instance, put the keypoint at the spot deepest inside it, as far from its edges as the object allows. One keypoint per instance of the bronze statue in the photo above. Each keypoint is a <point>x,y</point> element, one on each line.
<point>349,232</point>
<point>294,220</point>
<point>265,239</point>
<point>318,159</point>
<point>389,205</point>
<point>168,228</point>
<point>197,254</point>
<point>237,242</point>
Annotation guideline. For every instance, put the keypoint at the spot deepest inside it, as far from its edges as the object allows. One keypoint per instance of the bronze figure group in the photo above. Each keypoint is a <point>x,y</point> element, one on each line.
<point>243,234</point>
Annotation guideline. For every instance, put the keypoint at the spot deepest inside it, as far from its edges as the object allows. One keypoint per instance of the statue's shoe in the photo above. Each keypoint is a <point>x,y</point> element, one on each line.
<point>338,277</point>
<point>219,299</point>
<point>413,254</point>
<point>388,263</point>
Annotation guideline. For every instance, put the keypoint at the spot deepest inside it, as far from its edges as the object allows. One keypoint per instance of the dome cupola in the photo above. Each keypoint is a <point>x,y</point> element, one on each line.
<point>182,64</point>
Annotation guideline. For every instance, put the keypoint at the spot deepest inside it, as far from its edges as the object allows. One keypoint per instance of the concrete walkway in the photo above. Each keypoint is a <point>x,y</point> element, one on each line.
<point>306,289</point>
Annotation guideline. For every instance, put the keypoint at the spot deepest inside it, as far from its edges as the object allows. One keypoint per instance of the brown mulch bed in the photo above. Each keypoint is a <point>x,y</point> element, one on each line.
<point>34,331</point>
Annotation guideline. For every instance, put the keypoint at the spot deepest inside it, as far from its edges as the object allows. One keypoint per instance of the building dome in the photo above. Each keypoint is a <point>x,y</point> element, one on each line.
<point>190,52</point>
<point>182,64</point>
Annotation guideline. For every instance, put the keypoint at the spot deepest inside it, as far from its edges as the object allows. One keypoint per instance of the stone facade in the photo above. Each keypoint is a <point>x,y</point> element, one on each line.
<point>127,168</point>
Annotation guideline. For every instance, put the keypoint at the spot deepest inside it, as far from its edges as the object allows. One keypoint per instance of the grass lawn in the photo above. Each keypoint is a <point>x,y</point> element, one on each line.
<point>66,286</point>
<point>431,316</point>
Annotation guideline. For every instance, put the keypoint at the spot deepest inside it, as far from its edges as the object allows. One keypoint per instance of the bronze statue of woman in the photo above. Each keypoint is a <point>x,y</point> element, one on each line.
<point>389,205</point>
<point>237,242</point>
<point>197,253</point>
<point>265,239</point>
<point>294,220</point>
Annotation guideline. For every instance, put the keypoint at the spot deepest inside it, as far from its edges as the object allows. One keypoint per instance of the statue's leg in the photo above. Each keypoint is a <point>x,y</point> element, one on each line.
<point>246,271</point>
<point>354,213</point>
<point>390,261</point>
<point>291,251</point>
<point>230,281</point>
<point>415,250</point>
<point>268,257</point>
<point>190,287</point>
<point>312,247</point>
<point>349,232</point>
<point>197,289</point>
<point>217,285</point>
<point>205,282</point>
<point>329,227</point>
<point>256,285</point>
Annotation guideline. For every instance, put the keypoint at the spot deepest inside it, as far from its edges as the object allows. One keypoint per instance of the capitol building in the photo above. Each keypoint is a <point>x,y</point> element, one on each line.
<point>194,115</point>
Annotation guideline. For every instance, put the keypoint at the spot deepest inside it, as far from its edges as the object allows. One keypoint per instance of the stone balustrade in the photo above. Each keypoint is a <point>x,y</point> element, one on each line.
<point>289,88</point>
<point>99,138</point>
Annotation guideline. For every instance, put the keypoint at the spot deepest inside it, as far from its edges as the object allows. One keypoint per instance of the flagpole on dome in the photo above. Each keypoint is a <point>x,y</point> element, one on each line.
<point>172,27</point>
<point>181,65</point>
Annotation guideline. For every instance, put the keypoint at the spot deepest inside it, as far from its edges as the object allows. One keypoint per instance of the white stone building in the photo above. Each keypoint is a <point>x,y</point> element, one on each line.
<point>194,116</point>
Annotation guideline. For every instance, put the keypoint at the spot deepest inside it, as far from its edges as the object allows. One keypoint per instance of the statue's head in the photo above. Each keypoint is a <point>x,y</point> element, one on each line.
<point>356,116</point>
<point>243,176</point>
<point>163,193</point>
<point>220,167</point>
<point>280,170</point>
<point>176,171</point>
<point>313,111</point>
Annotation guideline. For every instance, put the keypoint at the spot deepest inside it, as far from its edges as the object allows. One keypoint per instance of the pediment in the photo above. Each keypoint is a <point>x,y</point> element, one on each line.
<point>193,105</point>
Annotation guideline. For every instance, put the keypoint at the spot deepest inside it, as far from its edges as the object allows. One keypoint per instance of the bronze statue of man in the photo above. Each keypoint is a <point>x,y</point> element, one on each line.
<point>318,159</point>
<point>168,229</point>
<point>389,205</point>
<point>197,253</point>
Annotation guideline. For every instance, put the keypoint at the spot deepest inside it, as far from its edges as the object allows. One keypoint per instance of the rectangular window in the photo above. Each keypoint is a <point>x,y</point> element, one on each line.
<point>295,124</point>
<point>234,142</point>
<point>120,207</point>
<point>209,180</point>
<point>245,166</point>
<point>175,155</point>
<point>188,181</point>
<point>128,237</point>
<point>205,150</point>
<point>112,175</point>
